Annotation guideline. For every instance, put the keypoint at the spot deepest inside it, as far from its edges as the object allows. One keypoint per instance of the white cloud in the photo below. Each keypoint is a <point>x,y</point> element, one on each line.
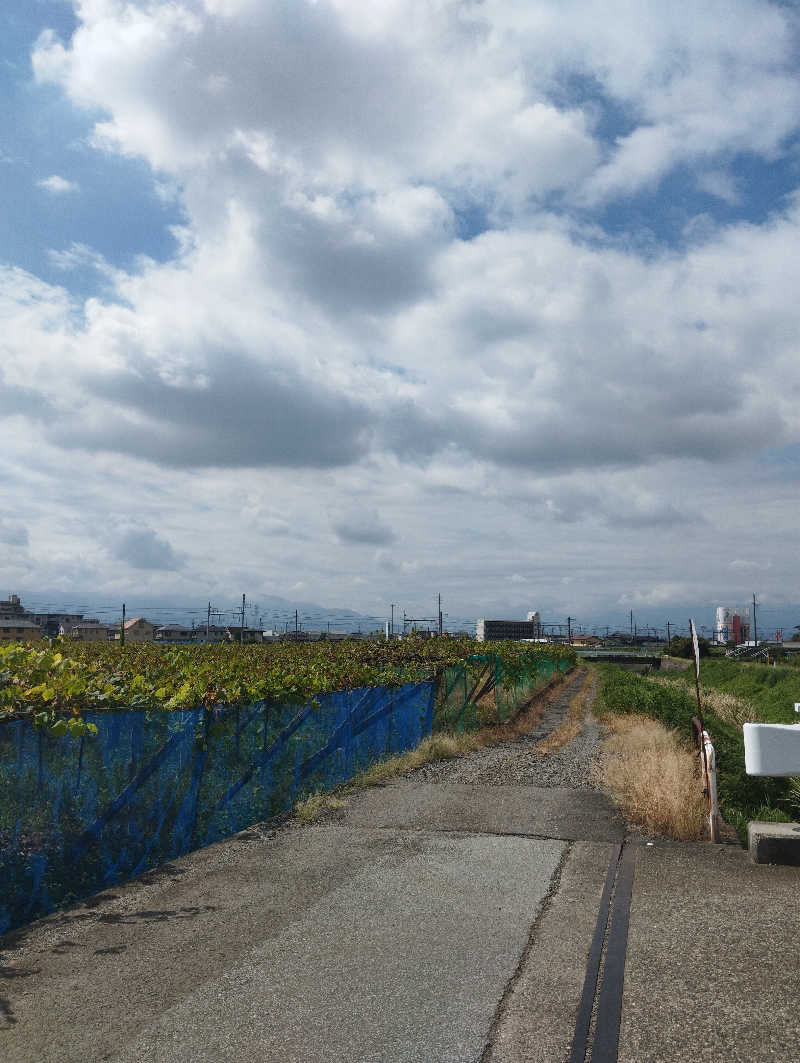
<point>327,366</point>
<point>57,186</point>
<point>142,548</point>
<point>364,526</point>
<point>722,185</point>
<point>13,533</point>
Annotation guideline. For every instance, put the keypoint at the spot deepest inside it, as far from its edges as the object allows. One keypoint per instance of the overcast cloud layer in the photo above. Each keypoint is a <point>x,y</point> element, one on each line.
<point>495,298</point>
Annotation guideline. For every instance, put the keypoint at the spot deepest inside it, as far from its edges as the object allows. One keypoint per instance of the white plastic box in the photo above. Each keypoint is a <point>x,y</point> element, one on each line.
<point>772,748</point>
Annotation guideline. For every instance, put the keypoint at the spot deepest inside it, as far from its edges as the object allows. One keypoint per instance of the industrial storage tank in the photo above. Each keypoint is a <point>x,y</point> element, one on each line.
<point>732,624</point>
<point>723,629</point>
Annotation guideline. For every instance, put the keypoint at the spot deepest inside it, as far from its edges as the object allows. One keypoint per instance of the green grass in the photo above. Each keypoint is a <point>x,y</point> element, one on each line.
<point>742,797</point>
<point>772,691</point>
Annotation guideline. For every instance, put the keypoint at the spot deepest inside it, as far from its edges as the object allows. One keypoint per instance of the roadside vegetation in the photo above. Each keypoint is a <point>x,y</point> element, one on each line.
<point>573,724</point>
<point>57,684</point>
<point>639,751</point>
<point>439,746</point>
<point>768,691</point>
<point>732,693</point>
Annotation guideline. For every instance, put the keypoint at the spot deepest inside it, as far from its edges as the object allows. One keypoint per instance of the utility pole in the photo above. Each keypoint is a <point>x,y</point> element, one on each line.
<point>404,621</point>
<point>122,627</point>
<point>631,623</point>
<point>755,625</point>
<point>391,626</point>
<point>669,640</point>
<point>241,631</point>
<point>296,625</point>
<point>208,623</point>
<point>440,614</point>
<point>569,630</point>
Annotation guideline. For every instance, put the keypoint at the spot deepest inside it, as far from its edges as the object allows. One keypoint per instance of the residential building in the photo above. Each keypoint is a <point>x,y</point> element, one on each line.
<point>585,640</point>
<point>18,629</point>
<point>491,630</point>
<point>212,633</point>
<point>51,623</point>
<point>88,631</point>
<point>11,607</point>
<point>138,630</point>
<point>175,634</point>
<point>250,634</point>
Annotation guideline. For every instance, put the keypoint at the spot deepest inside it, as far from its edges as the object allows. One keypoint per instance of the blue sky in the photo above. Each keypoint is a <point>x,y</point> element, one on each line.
<point>115,208</point>
<point>346,300</point>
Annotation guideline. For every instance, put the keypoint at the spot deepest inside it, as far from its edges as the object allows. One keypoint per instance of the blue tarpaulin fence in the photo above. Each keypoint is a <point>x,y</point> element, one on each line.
<point>79,815</point>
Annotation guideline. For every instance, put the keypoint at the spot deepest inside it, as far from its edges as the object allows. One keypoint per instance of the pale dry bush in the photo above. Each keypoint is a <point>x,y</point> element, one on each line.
<point>728,707</point>
<point>653,777</point>
<point>315,805</point>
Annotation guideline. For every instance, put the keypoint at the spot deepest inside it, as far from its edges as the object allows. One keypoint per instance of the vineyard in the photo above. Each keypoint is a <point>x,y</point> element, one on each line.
<point>117,760</point>
<point>58,684</point>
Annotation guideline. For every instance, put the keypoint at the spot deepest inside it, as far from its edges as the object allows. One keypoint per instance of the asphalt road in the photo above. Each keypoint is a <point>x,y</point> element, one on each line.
<point>391,933</point>
<point>434,919</point>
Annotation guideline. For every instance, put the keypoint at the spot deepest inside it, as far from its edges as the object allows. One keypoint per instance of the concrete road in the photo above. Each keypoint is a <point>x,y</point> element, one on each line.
<point>436,922</point>
<point>394,932</point>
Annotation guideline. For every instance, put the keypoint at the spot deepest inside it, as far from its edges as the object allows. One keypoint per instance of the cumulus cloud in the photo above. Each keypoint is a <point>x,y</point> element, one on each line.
<point>659,594</point>
<point>57,186</point>
<point>363,527</point>
<point>143,548</point>
<point>13,533</point>
<point>393,270</point>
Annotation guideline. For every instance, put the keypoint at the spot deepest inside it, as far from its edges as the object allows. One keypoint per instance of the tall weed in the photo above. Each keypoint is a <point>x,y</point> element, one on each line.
<point>641,751</point>
<point>741,796</point>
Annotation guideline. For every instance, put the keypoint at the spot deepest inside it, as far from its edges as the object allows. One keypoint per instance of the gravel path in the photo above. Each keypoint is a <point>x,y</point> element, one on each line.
<point>517,762</point>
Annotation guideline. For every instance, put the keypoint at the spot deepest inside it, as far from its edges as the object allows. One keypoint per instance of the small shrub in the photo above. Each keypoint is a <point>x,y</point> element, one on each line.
<point>654,777</point>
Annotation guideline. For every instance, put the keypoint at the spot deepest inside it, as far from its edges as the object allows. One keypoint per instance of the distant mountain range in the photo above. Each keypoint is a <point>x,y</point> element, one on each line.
<point>267,612</point>
<point>276,613</point>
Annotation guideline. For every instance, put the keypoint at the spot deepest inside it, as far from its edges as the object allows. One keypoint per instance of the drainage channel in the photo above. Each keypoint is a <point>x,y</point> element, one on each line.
<point>598,1041</point>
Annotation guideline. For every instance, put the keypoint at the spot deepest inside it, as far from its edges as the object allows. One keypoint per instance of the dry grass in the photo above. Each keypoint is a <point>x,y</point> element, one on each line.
<point>434,747</point>
<point>653,776</point>
<point>728,707</point>
<point>315,805</point>
<point>573,724</point>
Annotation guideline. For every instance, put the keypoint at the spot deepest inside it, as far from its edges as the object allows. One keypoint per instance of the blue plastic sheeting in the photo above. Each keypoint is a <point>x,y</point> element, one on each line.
<point>79,815</point>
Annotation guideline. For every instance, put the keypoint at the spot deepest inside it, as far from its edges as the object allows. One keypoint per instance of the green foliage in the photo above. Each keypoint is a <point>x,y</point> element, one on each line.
<point>56,685</point>
<point>681,647</point>
<point>742,796</point>
<point>772,691</point>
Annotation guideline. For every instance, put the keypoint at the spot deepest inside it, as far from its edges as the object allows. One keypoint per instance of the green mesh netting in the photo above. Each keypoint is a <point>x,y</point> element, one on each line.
<point>479,692</point>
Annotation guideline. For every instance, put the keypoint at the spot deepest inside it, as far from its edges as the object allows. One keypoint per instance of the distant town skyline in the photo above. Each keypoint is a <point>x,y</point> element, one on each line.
<point>357,301</point>
<point>279,614</point>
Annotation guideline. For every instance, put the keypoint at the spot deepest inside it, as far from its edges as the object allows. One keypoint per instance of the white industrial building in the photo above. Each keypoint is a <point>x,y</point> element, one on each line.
<point>732,624</point>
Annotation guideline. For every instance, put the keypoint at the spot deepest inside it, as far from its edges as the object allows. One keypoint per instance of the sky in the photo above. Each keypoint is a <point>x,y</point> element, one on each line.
<point>359,301</point>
